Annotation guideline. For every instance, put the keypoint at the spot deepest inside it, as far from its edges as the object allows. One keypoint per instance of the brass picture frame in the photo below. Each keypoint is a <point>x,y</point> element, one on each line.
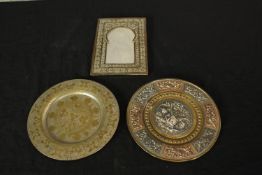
<point>139,65</point>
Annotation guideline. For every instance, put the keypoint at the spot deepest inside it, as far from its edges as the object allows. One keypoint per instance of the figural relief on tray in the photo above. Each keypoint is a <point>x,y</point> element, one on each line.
<point>120,47</point>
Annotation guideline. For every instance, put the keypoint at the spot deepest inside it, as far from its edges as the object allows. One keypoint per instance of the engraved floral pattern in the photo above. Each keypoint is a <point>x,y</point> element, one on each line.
<point>195,93</point>
<point>55,149</point>
<point>152,144</point>
<point>73,118</point>
<point>211,115</point>
<point>204,140</point>
<point>177,152</point>
<point>135,114</point>
<point>169,85</point>
<point>144,94</point>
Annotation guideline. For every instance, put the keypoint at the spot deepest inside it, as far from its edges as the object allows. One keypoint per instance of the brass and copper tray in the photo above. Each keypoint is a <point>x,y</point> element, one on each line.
<point>73,119</point>
<point>173,120</point>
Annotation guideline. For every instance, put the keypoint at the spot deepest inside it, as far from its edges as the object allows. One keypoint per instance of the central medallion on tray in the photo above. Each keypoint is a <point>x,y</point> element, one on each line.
<point>173,117</point>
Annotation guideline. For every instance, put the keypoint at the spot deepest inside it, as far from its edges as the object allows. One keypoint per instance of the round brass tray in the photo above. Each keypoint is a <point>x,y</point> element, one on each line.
<point>173,120</point>
<point>73,119</point>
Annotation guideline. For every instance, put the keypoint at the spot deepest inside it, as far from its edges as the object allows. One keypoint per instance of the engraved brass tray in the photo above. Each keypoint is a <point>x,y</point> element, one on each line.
<point>73,119</point>
<point>173,120</point>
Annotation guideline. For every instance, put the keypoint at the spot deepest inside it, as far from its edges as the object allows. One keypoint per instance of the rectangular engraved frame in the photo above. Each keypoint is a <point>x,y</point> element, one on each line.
<point>140,64</point>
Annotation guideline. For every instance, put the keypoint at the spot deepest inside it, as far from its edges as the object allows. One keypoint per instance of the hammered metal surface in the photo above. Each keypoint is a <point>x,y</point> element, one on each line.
<point>73,119</point>
<point>173,120</point>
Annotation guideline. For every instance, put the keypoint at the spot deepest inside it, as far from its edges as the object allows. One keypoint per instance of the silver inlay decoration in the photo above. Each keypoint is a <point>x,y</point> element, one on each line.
<point>173,117</point>
<point>204,140</point>
<point>147,92</point>
<point>154,145</point>
<point>196,93</point>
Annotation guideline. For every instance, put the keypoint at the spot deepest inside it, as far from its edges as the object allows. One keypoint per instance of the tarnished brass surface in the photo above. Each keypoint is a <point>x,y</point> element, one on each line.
<point>173,120</point>
<point>73,119</point>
